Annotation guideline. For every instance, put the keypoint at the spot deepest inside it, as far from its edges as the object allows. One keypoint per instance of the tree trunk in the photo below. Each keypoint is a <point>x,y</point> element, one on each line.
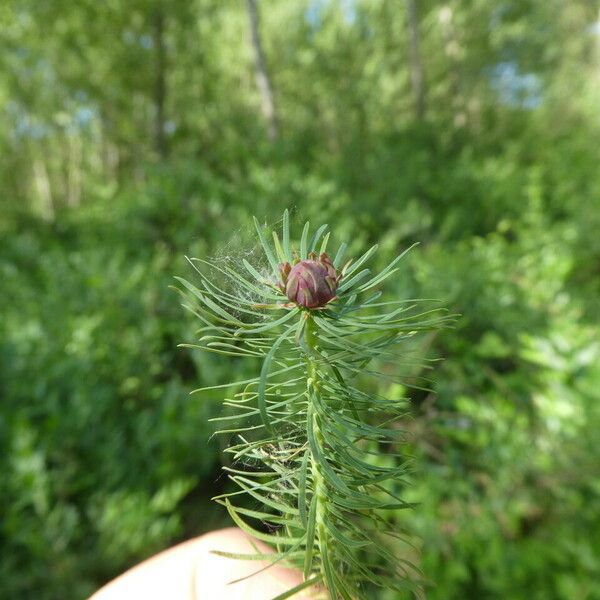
<point>598,38</point>
<point>43,187</point>
<point>417,76</point>
<point>74,165</point>
<point>263,82</point>
<point>452,51</point>
<point>160,88</point>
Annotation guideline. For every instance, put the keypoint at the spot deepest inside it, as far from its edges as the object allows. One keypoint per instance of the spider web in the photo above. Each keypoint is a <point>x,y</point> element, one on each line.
<point>241,245</point>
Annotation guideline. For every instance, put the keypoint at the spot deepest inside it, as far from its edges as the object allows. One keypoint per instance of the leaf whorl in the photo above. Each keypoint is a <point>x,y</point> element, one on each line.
<point>316,453</point>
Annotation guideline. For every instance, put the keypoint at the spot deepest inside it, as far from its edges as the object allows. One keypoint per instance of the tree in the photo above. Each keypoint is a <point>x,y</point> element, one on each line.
<point>160,86</point>
<point>263,81</point>
<point>417,74</point>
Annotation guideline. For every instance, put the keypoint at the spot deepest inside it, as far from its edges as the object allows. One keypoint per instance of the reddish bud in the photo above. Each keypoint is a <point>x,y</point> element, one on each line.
<point>309,283</point>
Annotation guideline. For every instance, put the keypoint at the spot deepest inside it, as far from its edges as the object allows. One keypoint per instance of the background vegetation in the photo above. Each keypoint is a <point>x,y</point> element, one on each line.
<point>134,132</point>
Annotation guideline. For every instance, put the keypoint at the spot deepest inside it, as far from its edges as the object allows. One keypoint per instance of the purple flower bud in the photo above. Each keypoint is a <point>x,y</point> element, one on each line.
<point>310,283</point>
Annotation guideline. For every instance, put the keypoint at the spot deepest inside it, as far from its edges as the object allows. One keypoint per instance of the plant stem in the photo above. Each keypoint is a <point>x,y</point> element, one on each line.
<point>312,388</point>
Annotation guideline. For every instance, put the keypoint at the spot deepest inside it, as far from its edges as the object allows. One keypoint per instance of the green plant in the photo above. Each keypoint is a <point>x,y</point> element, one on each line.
<point>314,446</point>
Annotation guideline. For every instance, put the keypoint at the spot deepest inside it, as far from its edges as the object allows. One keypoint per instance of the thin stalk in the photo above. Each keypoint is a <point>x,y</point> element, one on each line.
<point>312,388</point>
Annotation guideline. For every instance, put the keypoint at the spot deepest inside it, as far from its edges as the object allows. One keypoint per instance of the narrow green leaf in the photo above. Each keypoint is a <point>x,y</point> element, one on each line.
<point>260,278</point>
<point>342,382</point>
<point>299,337</point>
<point>203,297</point>
<point>286,235</point>
<point>339,257</point>
<point>302,488</point>
<point>304,240</point>
<point>316,237</point>
<point>253,556</point>
<point>238,279</point>
<point>343,539</point>
<point>310,536</point>
<point>254,491</point>
<point>270,324</point>
<point>333,479</point>
<point>349,283</point>
<point>342,586</point>
<point>324,243</point>
<point>262,382</point>
<point>283,556</point>
<point>376,280</point>
<point>265,245</point>
<point>259,535</point>
<point>332,587</point>
<point>278,248</point>
<point>301,586</point>
<point>361,261</point>
<point>389,270</point>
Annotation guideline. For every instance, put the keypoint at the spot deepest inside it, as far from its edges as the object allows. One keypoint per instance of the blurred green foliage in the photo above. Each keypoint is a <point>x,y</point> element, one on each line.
<point>132,134</point>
